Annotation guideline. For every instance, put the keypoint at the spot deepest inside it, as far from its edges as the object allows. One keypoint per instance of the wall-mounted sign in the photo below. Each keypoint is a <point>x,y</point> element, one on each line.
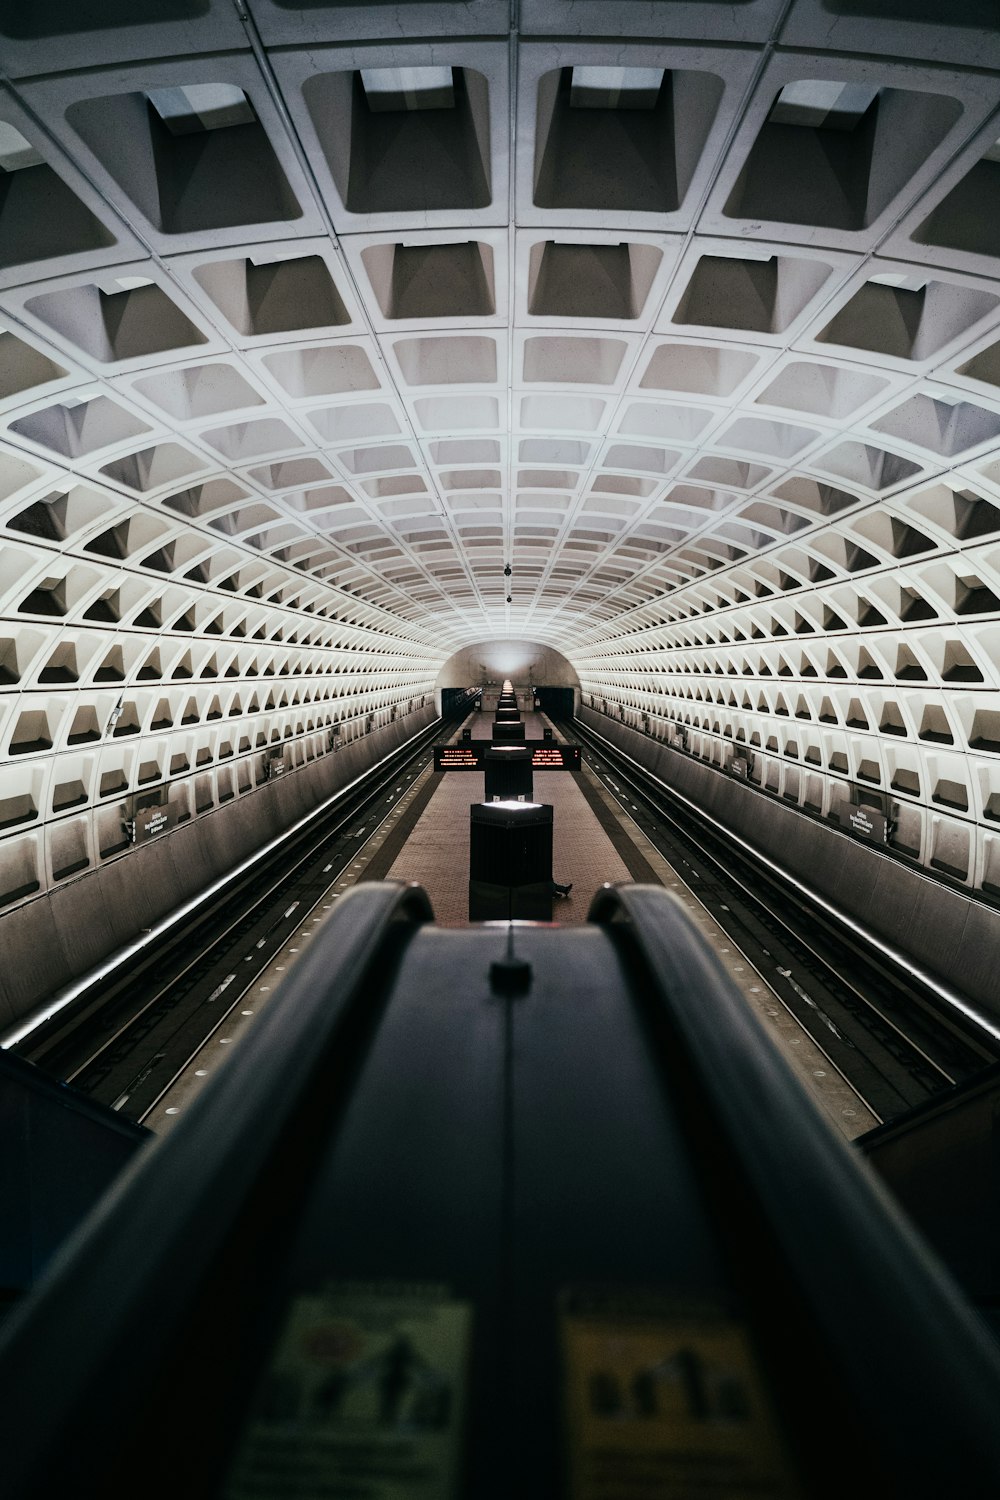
<point>740,766</point>
<point>546,756</point>
<point>277,766</point>
<point>864,822</point>
<point>149,821</point>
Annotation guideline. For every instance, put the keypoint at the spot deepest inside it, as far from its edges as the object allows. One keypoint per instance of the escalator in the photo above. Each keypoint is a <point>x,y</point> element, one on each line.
<point>494,1212</point>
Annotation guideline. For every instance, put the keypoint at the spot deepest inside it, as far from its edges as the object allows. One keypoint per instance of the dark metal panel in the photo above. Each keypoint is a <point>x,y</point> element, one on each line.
<point>58,1152</point>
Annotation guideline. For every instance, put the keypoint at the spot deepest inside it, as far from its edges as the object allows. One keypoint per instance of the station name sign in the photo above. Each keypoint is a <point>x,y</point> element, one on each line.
<point>149,821</point>
<point>276,766</point>
<point>865,823</point>
<point>545,756</point>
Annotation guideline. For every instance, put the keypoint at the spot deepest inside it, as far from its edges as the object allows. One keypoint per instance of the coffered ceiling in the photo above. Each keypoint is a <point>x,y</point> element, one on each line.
<point>317,317</point>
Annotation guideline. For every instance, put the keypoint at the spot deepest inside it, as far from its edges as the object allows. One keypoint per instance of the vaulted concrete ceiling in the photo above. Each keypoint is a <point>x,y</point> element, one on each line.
<point>316,317</point>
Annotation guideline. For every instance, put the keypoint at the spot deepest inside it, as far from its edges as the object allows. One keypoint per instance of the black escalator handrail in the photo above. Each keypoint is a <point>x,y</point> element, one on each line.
<point>915,1349</point>
<point>117,1291</point>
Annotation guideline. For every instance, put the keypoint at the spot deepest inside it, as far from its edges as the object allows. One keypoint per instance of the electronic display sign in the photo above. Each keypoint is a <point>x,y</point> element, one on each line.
<point>550,757</point>
<point>465,757</point>
<point>546,755</point>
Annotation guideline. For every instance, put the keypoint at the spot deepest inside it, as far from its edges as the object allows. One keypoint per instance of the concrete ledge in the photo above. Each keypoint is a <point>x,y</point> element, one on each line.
<point>50,941</point>
<point>943,930</point>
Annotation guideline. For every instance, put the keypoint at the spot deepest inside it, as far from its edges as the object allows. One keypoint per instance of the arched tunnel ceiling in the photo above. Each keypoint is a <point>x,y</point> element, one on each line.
<point>315,317</point>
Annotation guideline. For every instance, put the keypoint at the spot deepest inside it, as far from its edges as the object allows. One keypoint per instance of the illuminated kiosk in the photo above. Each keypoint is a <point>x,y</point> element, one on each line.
<point>508,773</point>
<point>510,863</point>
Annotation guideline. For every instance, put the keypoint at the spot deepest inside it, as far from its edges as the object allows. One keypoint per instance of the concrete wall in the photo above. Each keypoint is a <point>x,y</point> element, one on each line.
<point>50,941</point>
<point>944,930</point>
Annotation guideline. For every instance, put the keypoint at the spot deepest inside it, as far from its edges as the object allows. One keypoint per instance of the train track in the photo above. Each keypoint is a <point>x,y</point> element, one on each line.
<point>125,1040</point>
<point>895,1039</point>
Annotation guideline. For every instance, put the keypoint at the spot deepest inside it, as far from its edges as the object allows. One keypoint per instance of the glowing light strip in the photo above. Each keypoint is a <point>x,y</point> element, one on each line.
<point>121,956</point>
<point>900,959</point>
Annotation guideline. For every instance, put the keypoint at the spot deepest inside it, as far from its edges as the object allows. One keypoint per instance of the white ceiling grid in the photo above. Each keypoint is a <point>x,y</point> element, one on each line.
<point>314,317</point>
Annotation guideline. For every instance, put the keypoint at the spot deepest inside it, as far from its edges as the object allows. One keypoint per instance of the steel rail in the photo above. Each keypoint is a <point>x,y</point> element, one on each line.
<point>236,899</point>
<point>940,1008</point>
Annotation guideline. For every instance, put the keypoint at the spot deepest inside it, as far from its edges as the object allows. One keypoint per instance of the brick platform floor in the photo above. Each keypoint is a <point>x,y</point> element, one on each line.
<point>437,850</point>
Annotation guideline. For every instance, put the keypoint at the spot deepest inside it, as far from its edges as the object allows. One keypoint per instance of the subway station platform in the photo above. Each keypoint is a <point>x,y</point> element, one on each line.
<point>594,843</point>
<point>436,852</point>
<point>425,838</point>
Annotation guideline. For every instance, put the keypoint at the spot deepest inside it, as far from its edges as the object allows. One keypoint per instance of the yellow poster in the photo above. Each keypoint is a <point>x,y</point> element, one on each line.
<point>363,1400</point>
<point>666,1407</point>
